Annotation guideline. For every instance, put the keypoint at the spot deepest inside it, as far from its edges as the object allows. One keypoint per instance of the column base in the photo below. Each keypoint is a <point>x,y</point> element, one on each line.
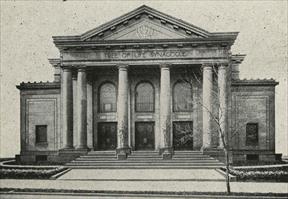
<point>82,149</point>
<point>166,152</point>
<point>207,148</point>
<point>122,153</point>
<point>67,149</point>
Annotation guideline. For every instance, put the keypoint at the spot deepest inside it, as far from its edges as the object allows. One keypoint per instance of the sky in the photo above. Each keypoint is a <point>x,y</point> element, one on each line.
<point>27,28</point>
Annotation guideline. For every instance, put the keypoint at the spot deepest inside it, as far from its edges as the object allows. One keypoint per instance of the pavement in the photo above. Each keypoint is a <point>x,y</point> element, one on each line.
<point>143,175</point>
<point>165,181</point>
<point>138,180</point>
<point>157,186</point>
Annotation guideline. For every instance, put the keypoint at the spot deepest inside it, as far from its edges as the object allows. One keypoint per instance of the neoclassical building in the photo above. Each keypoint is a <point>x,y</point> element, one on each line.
<point>147,81</point>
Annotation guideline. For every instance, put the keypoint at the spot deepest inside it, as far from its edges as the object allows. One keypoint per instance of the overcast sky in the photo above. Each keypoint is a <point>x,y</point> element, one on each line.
<point>27,28</point>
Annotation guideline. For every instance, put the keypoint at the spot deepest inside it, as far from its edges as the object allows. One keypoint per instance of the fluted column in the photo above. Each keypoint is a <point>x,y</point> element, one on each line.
<point>207,105</point>
<point>222,80</point>
<point>82,108</point>
<point>165,112</point>
<point>122,113</point>
<point>67,109</point>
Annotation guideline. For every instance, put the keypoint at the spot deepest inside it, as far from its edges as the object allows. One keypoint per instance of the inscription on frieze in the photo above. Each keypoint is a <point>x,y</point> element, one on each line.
<point>144,54</point>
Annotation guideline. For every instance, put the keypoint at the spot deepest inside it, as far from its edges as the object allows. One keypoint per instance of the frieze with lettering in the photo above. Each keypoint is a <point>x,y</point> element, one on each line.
<point>143,54</point>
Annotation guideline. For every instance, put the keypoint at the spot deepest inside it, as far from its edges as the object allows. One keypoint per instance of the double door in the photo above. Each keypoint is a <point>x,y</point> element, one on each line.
<point>107,136</point>
<point>144,136</point>
<point>183,135</point>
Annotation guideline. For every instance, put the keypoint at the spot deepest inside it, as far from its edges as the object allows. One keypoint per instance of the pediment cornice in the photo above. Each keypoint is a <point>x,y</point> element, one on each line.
<point>181,29</point>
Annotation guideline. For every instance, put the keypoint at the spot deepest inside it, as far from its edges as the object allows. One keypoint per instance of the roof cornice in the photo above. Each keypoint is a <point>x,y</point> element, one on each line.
<point>255,82</point>
<point>106,44</point>
<point>38,85</point>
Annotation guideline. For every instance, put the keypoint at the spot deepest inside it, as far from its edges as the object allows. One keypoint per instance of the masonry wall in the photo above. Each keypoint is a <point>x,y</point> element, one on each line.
<point>40,107</point>
<point>253,104</point>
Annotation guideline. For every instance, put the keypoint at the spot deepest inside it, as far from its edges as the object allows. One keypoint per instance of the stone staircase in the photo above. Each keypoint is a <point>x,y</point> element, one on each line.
<point>145,160</point>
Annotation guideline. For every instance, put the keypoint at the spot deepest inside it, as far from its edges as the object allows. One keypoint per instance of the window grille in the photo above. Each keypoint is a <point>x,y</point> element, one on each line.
<point>182,97</point>
<point>144,97</point>
<point>107,98</point>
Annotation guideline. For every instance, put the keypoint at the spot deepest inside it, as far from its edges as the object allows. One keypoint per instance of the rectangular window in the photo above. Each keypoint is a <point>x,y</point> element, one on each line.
<point>252,157</point>
<point>41,134</point>
<point>252,134</point>
<point>41,158</point>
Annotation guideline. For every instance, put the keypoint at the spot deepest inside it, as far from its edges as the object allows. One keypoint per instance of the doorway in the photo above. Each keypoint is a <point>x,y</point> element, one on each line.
<point>107,136</point>
<point>144,136</point>
<point>183,135</point>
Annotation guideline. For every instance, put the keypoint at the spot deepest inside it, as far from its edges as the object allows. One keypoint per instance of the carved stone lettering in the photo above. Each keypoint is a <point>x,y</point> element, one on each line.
<point>145,54</point>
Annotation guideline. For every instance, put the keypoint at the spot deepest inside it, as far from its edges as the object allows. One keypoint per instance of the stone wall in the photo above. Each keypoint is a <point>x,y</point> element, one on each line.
<point>40,107</point>
<point>253,102</point>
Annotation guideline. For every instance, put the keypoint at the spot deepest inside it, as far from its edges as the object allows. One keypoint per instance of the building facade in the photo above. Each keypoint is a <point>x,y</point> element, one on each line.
<point>147,81</point>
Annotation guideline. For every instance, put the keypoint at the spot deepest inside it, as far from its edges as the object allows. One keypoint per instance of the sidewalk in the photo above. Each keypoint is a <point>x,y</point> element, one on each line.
<point>167,186</point>
<point>143,175</point>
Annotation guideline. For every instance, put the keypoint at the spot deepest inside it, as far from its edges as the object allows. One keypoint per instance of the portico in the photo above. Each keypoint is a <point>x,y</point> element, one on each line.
<point>124,120</point>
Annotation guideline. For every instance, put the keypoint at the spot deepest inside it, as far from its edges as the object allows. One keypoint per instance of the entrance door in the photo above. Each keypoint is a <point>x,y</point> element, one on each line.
<point>144,136</point>
<point>183,135</point>
<point>107,136</point>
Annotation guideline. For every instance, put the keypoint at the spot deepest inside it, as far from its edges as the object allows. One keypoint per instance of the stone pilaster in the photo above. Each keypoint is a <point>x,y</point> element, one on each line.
<point>222,87</point>
<point>67,109</point>
<point>165,112</point>
<point>207,105</point>
<point>123,148</point>
<point>82,108</point>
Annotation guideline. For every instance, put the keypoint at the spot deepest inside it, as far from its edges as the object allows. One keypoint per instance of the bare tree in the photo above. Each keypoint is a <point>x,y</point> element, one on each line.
<point>217,113</point>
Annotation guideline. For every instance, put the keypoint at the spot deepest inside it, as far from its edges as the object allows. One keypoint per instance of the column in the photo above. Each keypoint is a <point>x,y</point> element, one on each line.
<point>89,113</point>
<point>82,108</point>
<point>222,102</point>
<point>165,112</point>
<point>67,109</point>
<point>207,105</point>
<point>75,129</point>
<point>123,148</point>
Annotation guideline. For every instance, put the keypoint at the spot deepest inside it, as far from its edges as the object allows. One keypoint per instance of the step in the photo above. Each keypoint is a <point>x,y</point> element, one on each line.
<point>142,167</point>
<point>146,161</point>
<point>187,156</point>
<point>142,163</point>
<point>100,152</point>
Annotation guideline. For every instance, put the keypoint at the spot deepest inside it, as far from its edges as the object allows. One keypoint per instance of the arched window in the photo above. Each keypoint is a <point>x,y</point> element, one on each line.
<point>107,98</point>
<point>144,96</point>
<point>182,97</point>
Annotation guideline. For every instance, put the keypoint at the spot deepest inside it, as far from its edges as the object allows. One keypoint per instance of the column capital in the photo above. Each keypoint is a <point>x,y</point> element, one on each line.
<point>207,66</point>
<point>67,69</point>
<point>122,66</point>
<point>222,66</point>
<point>165,65</point>
<point>81,69</point>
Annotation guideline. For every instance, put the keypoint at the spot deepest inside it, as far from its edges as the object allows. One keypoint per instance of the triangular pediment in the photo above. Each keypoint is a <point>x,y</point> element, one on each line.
<point>145,29</point>
<point>145,23</point>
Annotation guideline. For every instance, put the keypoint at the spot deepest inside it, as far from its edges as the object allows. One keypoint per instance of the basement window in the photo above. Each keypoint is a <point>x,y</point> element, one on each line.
<point>41,158</point>
<point>252,157</point>
<point>252,134</point>
<point>41,134</point>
